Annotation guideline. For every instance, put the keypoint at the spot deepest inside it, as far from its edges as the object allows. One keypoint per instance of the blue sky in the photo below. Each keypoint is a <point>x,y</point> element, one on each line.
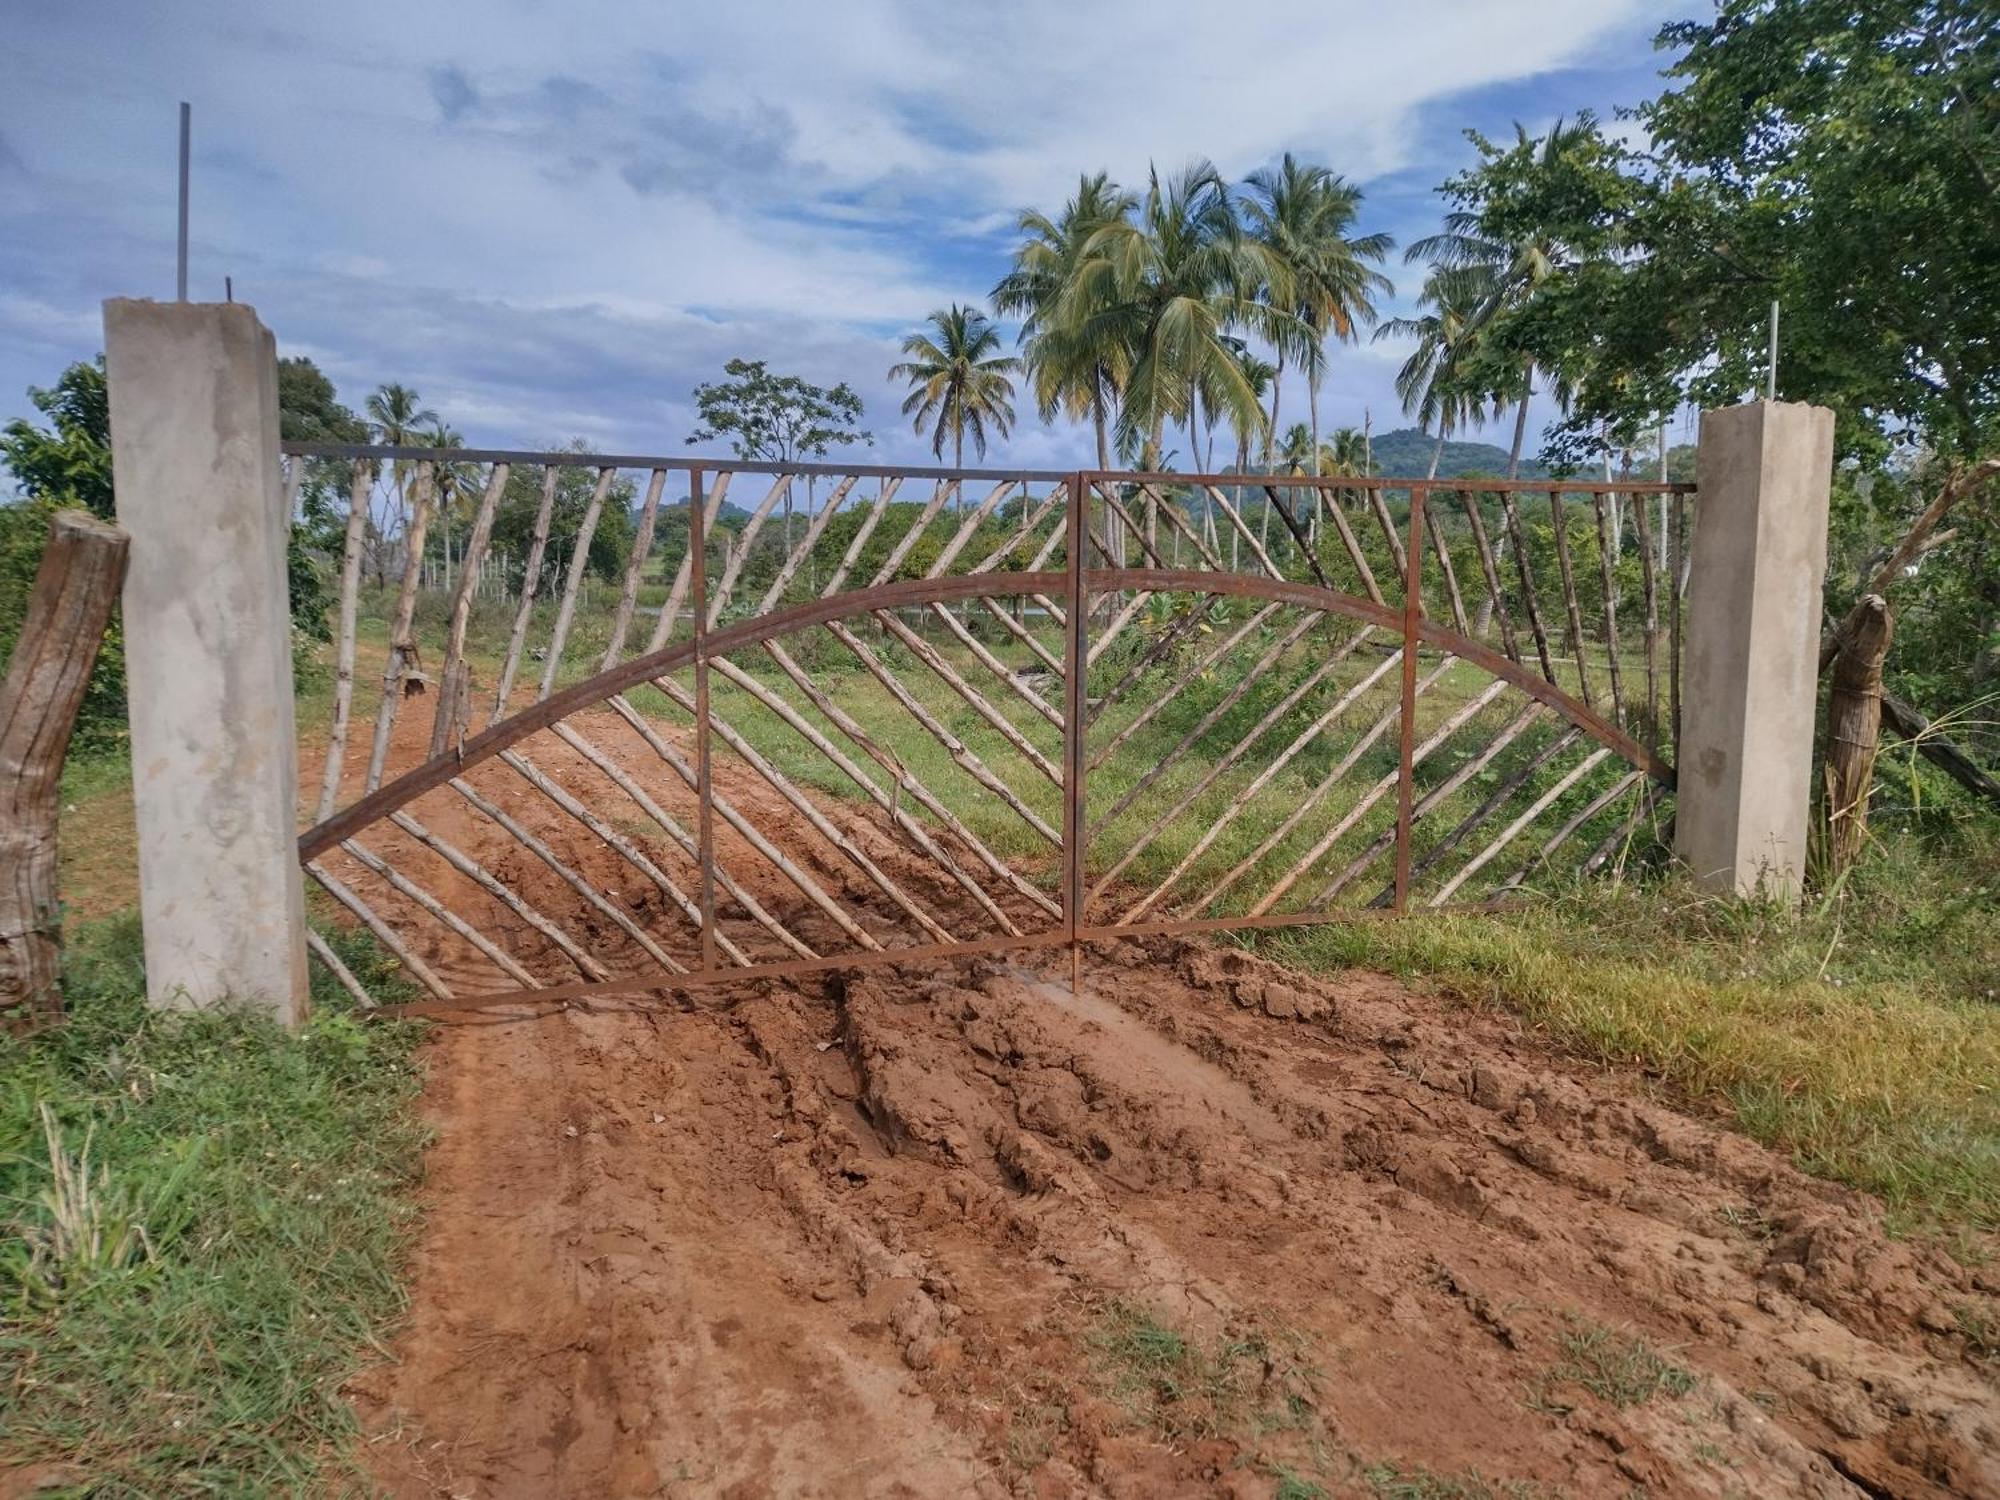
<point>553,220</point>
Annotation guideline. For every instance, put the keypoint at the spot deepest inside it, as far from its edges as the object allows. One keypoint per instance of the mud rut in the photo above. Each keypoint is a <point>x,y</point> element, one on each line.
<point>864,1237</point>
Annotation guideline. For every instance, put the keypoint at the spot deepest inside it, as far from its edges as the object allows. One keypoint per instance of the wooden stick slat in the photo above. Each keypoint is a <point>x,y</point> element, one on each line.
<point>1641,807</point>
<point>960,753</point>
<point>384,933</point>
<point>1208,720</point>
<point>1443,554</point>
<point>343,976</point>
<point>1379,508</point>
<point>748,831</point>
<point>1528,601</point>
<point>1298,534</point>
<point>971,696</point>
<point>740,553</point>
<point>1494,800</point>
<point>1117,626</point>
<point>804,806</point>
<point>1242,530</point>
<point>1221,764</point>
<point>1572,615</point>
<point>1491,571</point>
<point>884,493</point>
<point>1190,620</point>
<point>846,724</point>
<point>1351,545</point>
<point>1317,795</point>
<point>1526,817</point>
<point>1399,836</point>
<point>628,592</point>
<point>359,485</point>
<point>702,511</point>
<point>1413,615</point>
<point>1649,594</point>
<point>1180,524</point>
<point>589,967</point>
<point>1331,715</point>
<point>1607,563</point>
<point>814,529</point>
<point>1384,841</point>
<point>1563,834</point>
<point>1160,701</point>
<point>910,828</point>
<point>531,577</point>
<point>446,722</point>
<point>1025,636</point>
<point>401,663</point>
<point>996,666</point>
<point>505,821</point>
<point>630,852</point>
<point>404,886</point>
<point>579,564</point>
<point>907,542</point>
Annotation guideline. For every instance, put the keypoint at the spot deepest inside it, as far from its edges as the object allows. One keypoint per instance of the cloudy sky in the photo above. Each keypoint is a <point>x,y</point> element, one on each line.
<point>554,219</point>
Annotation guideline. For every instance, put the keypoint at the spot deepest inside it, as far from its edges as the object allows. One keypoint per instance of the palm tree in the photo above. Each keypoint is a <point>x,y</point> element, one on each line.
<point>1441,381</point>
<point>395,414</point>
<point>1258,374</point>
<point>958,381</point>
<point>1301,217</point>
<point>1506,275</point>
<point>452,484</point>
<point>1175,285</point>
<point>1076,365</point>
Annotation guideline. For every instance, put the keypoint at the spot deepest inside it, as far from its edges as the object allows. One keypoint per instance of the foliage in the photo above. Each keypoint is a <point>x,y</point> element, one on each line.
<point>610,543</point>
<point>779,417</point>
<point>204,1222</point>
<point>69,461</point>
<point>310,412</point>
<point>958,380</point>
<point>24,532</point>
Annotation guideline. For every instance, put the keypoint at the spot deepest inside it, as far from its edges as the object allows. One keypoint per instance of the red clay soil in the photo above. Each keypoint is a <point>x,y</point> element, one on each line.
<point>1208,1228</point>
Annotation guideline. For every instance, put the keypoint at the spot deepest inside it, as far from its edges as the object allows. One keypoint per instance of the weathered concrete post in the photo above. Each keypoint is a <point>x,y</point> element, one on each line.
<point>1751,674</point>
<point>208,653</point>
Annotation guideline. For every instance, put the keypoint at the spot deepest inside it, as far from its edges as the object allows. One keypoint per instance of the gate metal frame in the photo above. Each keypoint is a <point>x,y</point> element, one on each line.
<point>1076,584</point>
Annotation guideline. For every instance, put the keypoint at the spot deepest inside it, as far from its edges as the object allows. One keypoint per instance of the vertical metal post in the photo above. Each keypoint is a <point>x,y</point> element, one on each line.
<point>1413,614</point>
<point>1076,659</point>
<point>181,257</point>
<point>1771,365</point>
<point>704,787</point>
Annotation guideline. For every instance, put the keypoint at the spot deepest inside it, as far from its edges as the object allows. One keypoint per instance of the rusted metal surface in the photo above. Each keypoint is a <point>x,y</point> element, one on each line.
<point>1216,710</point>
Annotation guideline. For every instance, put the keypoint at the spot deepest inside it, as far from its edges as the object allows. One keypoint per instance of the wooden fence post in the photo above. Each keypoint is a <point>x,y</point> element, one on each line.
<point>1853,728</point>
<point>76,585</point>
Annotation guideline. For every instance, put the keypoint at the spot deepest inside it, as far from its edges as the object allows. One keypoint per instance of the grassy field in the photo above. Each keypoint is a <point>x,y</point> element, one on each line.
<point>206,1220</point>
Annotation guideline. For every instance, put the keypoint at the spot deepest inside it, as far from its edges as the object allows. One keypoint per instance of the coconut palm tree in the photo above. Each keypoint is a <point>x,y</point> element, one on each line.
<point>958,381</point>
<point>1076,365</point>
<point>1258,374</point>
<point>1302,218</point>
<point>1177,284</point>
<point>395,415</point>
<point>1442,381</point>
<point>452,484</point>
<point>1504,276</point>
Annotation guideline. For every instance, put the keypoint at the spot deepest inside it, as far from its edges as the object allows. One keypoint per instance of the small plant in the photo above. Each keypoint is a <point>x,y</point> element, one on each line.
<point>1619,1368</point>
<point>84,1225</point>
<point>1390,1482</point>
<point>1243,1385</point>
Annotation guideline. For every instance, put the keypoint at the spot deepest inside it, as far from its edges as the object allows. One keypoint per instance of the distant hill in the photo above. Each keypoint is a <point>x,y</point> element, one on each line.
<point>1406,454</point>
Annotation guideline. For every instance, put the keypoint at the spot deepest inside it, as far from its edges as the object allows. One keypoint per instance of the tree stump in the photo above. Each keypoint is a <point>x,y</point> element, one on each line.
<point>76,586</point>
<point>1853,728</point>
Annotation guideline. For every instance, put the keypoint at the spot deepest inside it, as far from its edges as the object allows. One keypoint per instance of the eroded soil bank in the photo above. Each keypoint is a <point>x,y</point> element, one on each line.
<point>1210,1229</point>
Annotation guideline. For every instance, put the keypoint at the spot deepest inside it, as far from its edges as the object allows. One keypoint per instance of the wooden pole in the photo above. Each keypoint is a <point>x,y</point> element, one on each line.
<point>1853,728</point>
<point>76,585</point>
<point>359,483</point>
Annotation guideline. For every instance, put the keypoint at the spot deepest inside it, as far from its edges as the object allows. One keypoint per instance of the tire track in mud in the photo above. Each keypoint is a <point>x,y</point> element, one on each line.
<point>866,1236</point>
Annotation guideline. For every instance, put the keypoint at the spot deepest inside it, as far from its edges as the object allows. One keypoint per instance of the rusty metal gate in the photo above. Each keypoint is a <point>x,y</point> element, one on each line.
<point>826,717</point>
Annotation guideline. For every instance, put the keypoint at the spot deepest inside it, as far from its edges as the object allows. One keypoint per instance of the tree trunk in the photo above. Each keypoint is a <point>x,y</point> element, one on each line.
<point>76,586</point>
<point>1271,432</point>
<point>1521,420</point>
<point>1853,729</point>
<point>1312,405</point>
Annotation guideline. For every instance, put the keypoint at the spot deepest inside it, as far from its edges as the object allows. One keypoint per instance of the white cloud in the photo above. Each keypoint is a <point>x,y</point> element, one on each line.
<point>559,217</point>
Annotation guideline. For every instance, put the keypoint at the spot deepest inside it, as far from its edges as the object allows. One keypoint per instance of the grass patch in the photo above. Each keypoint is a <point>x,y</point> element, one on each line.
<point>1860,1037</point>
<point>1620,1369</point>
<point>1183,1388</point>
<point>203,1222</point>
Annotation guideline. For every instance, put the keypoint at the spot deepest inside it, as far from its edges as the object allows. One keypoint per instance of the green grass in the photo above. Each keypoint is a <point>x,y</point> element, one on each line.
<point>1859,1036</point>
<point>1393,1482</point>
<point>204,1219</point>
<point>1620,1369</point>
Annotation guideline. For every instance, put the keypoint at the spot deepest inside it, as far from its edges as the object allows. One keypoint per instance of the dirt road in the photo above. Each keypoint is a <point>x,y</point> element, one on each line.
<point>1208,1228</point>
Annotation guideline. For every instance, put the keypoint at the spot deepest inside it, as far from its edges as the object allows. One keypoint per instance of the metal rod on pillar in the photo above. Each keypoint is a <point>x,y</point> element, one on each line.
<point>181,259</point>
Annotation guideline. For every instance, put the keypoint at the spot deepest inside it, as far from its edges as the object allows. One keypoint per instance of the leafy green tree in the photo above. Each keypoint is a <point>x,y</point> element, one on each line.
<point>309,411</point>
<point>779,418</point>
<point>958,381</point>
<point>67,463</point>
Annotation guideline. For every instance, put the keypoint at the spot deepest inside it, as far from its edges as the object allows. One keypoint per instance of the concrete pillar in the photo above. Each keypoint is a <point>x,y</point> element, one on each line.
<point>1750,679</point>
<point>208,653</point>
